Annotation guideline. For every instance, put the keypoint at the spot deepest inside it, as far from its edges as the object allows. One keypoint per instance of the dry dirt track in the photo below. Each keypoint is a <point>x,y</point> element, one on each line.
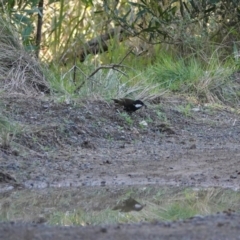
<point>92,145</point>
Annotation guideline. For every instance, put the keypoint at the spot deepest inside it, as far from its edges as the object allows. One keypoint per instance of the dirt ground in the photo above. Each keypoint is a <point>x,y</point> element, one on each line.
<point>90,143</point>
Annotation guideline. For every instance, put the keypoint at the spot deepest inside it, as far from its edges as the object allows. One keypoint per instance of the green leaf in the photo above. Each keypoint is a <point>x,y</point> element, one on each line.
<point>11,4</point>
<point>27,31</point>
<point>126,15</point>
<point>141,13</point>
<point>20,18</point>
<point>160,10</point>
<point>137,5</point>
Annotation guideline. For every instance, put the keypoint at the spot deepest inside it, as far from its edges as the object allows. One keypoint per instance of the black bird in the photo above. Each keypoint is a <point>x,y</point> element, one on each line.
<point>128,205</point>
<point>129,105</point>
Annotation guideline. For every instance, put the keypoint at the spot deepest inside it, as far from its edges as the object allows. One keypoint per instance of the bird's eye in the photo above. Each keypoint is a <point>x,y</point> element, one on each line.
<point>138,105</point>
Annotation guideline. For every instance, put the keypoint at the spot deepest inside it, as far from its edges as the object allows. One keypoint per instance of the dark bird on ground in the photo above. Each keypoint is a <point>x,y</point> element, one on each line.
<point>129,105</point>
<point>128,205</point>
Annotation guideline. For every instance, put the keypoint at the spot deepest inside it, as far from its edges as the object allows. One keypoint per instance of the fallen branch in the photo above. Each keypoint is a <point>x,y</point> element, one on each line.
<point>94,46</point>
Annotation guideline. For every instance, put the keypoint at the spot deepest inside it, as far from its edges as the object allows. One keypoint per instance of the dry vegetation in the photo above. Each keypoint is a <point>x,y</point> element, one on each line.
<point>20,72</point>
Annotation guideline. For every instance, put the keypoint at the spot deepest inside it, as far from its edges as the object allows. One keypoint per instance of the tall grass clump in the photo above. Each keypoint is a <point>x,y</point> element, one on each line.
<point>206,77</point>
<point>19,71</point>
<point>104,84</point>
<point>175,74</point>
<point>8,130</point>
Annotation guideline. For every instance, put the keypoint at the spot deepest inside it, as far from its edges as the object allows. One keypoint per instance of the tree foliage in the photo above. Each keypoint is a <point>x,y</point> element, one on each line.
<point>22,14</point>
<point>169,21</point>
<point>70,24</point>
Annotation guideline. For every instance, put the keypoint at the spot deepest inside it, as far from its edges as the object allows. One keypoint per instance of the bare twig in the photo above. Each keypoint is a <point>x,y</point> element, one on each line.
<point>110,66</point>
<point>74,70</point>
<point>130,50</point>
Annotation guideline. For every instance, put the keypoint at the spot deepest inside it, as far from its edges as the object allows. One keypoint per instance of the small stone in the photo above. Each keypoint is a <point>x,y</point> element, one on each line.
<point>103,183</point>
<point>40,219</point>
<point>193,146</point>
<point>103,230</point>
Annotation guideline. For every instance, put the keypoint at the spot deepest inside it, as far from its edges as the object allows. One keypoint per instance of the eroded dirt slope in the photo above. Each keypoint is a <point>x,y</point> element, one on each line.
<point>93,144</point>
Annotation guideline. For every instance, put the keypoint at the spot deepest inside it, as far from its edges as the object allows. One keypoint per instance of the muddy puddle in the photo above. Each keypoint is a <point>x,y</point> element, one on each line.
<point>82,205</point>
